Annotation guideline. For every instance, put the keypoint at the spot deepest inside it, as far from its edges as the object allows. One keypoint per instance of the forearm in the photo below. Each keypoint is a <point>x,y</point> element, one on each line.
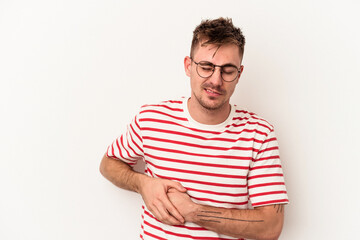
<point>121,174</point>
<point>152,190</point>
<point>259,223</point>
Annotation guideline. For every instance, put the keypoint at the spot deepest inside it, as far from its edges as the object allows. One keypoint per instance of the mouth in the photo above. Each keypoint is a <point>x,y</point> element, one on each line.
<point>212,92</point>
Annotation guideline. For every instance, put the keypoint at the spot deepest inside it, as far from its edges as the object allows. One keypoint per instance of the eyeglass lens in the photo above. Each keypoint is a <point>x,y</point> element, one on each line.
<point>228,72</point>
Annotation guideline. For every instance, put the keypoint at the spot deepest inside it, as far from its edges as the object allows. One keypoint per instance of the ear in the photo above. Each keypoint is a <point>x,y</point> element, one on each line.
<point>241,71</point>
<point>187,65</point>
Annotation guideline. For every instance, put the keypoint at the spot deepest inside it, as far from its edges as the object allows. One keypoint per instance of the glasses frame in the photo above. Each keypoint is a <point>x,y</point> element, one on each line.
<point>214,66</point>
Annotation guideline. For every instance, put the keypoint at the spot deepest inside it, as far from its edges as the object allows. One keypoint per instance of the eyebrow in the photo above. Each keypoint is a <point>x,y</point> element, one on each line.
<point>224,65</point>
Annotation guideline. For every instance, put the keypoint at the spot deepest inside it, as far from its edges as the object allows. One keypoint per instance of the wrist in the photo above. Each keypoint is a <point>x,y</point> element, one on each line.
<point>140,180</point>
<point>194,211</point>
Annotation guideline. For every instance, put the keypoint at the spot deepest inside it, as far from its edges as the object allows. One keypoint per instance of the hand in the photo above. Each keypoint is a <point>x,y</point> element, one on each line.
<point>153,191</point>
<point>183,203</point>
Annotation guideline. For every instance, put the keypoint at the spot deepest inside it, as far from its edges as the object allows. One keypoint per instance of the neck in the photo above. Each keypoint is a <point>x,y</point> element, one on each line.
<point>207,116</point>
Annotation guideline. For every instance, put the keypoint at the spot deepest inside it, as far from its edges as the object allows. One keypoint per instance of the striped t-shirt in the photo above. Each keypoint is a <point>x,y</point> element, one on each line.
<point>234,164</point>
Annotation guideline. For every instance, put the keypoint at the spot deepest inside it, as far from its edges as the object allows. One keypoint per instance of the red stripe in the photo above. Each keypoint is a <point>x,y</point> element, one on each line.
<point>266,175</point>
<point>257,118</point>
<point>162,113</point>
<point>107,151</point>
<point>240,118</point>
<point>122,144</point>
<point>243,111</point>
<point>122,157</point>
<point>265,166</point>
<point>196,172</point>
<point>267,193</point>
<point>150,172</point>
<point>268,149</point>
<point>251,114</point>
<point>176,124</point>
<point>254,130</point>
<point>201,146</point>
<point>197,163</point>
<point>267,158</point>
<point>128,143</point>
<point>138,147</point>
<point>265,184</point>
<point>251,123</point>
<point>197,154</point>
<point>154,236</point>
<point>271,202</point>
<point>200,137</point>
<point>112,150</point>
<point>165,106</point>
<point>136,134</point>
<point>180,234</point>
<point>216,201</point>
<point>178,226</point>
<point>193,129</point>
<point>202,182</point>
<point>137,125</point>
<point>218,193</point>
<point>173,101</point>
<point>270,140</point>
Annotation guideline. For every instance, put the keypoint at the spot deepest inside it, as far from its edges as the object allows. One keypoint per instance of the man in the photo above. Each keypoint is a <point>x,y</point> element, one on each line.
<point>212,170</point>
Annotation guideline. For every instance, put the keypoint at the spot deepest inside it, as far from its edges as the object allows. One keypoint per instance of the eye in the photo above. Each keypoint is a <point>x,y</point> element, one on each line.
<point>206,68</point>
<point>229,70</point>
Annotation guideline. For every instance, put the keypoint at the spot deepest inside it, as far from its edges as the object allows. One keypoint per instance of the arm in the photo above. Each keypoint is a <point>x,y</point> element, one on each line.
<point>260,223</point>
<point>152,190</point>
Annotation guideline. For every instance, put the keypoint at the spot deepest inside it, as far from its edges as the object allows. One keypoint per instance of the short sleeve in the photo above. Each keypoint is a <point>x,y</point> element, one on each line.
<point>266,183</point>
<point>128,147</point>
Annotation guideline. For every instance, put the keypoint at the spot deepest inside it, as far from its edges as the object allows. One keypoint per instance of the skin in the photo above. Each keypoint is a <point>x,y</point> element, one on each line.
<point>152,190</point>
<point>167,200</point>
<point>264,223</point>
<point>211,107</point>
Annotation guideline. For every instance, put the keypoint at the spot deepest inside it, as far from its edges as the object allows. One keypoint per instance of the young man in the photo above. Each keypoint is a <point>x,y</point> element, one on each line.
<point>212,170</point>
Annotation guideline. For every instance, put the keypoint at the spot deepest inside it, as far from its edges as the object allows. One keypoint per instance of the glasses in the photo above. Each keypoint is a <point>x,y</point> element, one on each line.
<point>206,69</point>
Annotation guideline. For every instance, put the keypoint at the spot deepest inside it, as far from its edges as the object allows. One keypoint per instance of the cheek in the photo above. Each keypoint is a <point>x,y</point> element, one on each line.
<point>231,89</point>
<point>195,82</point>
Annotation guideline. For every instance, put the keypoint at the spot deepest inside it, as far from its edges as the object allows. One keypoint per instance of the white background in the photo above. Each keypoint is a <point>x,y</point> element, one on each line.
<point>73,73</point>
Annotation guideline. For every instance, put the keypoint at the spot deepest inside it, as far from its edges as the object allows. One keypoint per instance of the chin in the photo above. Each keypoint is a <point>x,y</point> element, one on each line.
<point>212,105</point>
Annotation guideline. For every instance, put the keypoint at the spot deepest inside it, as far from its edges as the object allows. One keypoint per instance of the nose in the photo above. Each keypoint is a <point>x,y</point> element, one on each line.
<point>216,78</point>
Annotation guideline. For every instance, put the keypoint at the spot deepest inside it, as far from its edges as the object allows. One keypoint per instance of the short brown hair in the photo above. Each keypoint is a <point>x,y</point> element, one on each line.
<point>219,31</point>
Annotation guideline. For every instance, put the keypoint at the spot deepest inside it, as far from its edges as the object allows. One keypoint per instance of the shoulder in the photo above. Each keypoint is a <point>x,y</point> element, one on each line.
<point>247,117</point>
<point>175,105</point>
<point>172,108</point>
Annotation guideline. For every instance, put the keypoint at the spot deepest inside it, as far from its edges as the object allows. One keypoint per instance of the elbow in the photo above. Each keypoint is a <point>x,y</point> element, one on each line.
<point>102,169</point>
<point>271,236</point>
<point>273,231</point>
<point>103,166</point>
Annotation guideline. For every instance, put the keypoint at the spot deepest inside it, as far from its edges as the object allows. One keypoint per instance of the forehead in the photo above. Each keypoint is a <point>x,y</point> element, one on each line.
<point>223,54</point>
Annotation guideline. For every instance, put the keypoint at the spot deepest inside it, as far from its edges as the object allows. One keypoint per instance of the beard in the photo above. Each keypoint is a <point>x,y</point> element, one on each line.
<point>211,103</point>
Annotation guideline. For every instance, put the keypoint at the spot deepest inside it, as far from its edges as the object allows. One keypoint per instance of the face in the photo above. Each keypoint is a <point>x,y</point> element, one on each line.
<point>212,93</point>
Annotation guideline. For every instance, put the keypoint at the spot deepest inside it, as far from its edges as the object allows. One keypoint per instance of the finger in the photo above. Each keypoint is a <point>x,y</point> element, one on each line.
<point>166,217</point>
<point>155,212</point>
<point>172,190</point>
<point>177,186</point>
<point>173,211</point>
